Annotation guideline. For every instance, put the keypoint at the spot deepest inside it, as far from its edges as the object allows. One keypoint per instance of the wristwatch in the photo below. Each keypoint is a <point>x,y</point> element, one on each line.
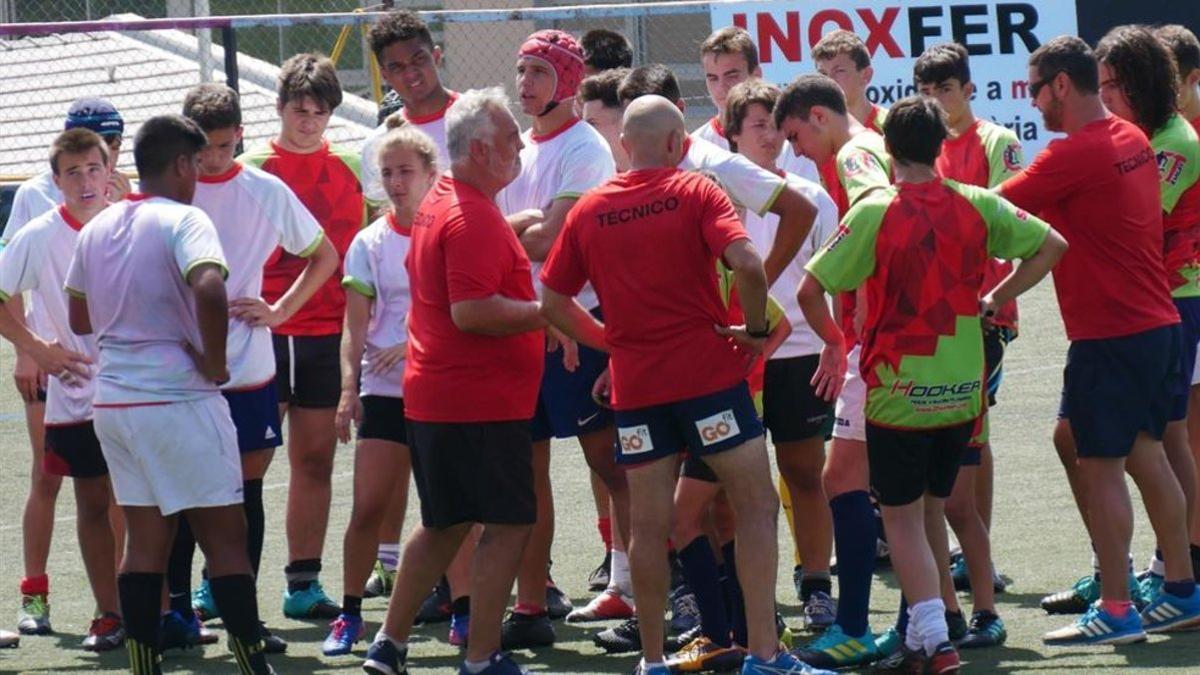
<point>758,334</point>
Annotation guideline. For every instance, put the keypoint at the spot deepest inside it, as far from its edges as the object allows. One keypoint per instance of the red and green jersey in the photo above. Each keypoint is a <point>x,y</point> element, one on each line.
<point>862,165</point>
<point>986,154</point>
<point>1177,148</point>
<point>920,252</point>
<point>327,183</point>
<point>775,316</point>
<point>876,118</point>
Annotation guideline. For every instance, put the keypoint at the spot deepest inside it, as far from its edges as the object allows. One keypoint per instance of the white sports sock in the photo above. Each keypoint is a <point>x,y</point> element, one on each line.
<point>929,619</point>
<point>476,666</point>
<point>1157,566</point>
<point>619,578</point>
<point>645,667</point>
<point>912,636</point>
<point>389,555</point>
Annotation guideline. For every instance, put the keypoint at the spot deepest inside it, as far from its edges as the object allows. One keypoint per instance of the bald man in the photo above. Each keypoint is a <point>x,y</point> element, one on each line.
<point>648,241</point>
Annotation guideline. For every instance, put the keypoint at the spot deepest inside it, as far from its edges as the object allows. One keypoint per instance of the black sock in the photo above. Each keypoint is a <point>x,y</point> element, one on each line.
<point>461,606</point>
<point>902,618</point>
<point>141,599</point>
<point>352,605</point>
<point>1181,588</point>
<point>733,594</point>
<point>252,503</point>
<point>704,578</point>
<point>812,584</point>
<point>179,569</point>
<point>238,595</point>
<point>1195,562</point>
<point>302,573</point>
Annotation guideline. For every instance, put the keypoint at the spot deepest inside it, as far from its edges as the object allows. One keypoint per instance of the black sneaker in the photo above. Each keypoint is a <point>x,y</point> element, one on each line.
<point>558,606</point>
<point>797,581</point>
<point>956,625</point>
<point>620,639</point>
<point>526,631</point>
<point>675,643</point>
<point>598,579</point>
<point>272,644</point>
<point>986,630</point>
<point>685,611</point>
<point>436,607</point>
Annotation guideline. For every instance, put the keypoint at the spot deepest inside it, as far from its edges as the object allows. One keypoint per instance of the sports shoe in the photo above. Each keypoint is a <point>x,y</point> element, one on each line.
<point>959,573</point>
<point>558,605</point>
<point>460,625</point>
<point>704,655</point>
<point>436,606</point>
<point>272,644</point>
<point>786,638</point>
<point>889,649</point>
<point>379,584</point>
<point>176,631</point>
<point>798,581</point>
<point>599,578</point>
<point>656,670</point>
<point>500,663</point>
<point>9,639</point>
<point>1075,600</point>
<point>820,611</point>
<point>835,650</point>
<point>310,603</point>
<point>611,604</point>
<point>203,602</point>
<point>526,631</point>
<point>1150,585</point>
<point>620,639</point>
<point>106,632</point>
<point>943,661</point>
<point>1098,627</point>
<point>344,632</point>
<point>903,660</point>
<point>685,611</point>
<point>985,630</point>
<point>675,643</point>
<point>956,625</point>
<point>384,658</point>
<point>1168,613</point>
<point>783,664</point>
<point>34,617</point>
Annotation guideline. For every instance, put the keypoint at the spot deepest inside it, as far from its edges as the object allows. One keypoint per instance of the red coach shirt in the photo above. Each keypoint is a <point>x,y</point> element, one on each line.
<point>462,249</point>
<point>1099,188</point>
<point>648,241</point>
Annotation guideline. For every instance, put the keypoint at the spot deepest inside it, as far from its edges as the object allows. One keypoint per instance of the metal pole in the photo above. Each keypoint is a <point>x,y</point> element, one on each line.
<point>229,42</point>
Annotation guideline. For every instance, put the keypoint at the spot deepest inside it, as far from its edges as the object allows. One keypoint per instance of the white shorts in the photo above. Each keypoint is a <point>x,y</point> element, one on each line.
<point>174,456</point>
<point>850,421</point>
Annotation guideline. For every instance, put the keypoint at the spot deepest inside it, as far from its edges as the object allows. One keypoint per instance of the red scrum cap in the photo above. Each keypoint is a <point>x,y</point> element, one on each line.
<point>561,52</point>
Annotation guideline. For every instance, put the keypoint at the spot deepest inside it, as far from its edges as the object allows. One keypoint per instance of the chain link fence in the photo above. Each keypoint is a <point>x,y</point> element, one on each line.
<point>146,72</point>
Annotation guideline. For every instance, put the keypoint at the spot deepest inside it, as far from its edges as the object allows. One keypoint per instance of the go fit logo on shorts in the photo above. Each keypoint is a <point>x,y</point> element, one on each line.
<point>635,440</point>
<point>717,428</point>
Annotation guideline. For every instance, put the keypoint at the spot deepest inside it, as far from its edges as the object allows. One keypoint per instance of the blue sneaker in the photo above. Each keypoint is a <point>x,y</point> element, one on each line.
<point>835,650</point>
<point>344,632</point>
<point>656,670</point>
<point>459,629</point>
<point>384,658</point>
<point>783,664</point>
<point>1098,627</point>
<point>203,602</point>
<point>501,663</point>
<point>310,603</point>
<point>176,631</point>
<point>1170,613</point>
<point>889,650</point>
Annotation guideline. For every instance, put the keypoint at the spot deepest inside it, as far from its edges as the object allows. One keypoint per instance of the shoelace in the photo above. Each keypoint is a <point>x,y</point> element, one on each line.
<point>822,602</point>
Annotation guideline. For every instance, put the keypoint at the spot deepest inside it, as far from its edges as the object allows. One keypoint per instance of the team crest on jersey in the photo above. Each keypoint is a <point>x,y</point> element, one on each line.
<point>1012,157</point>
<point>1170,166</point>
<point>841,233</point>
<point>855,164</point>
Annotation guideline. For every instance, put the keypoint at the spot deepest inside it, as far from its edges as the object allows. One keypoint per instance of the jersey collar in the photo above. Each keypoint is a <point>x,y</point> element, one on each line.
<point>73,222</point>
<point>433,116</point>
<point>221,177</point>
<point>557,132</point>
<point>716,125</point>
<point>397,227</point>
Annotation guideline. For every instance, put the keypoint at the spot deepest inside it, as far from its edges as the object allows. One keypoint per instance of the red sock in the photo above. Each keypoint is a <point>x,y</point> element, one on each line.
<point>605,526</point>
<point>528,609</point>
<point>39,585</point>
<point>1116,608</point>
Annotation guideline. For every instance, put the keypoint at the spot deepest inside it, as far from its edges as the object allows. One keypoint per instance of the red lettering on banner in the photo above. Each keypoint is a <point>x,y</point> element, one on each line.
<point>816,27</point>
<point>770,32</point>
<point>879,31</point>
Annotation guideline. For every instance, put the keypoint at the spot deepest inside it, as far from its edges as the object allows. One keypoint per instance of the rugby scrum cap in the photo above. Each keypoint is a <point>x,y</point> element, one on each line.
<point>562,54</point>
<point>96,114</point>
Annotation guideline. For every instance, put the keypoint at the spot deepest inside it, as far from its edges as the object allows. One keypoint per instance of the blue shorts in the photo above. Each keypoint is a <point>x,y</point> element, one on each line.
<point>565,407</point>
<point>704,425</point>
<point>1116,388</point>
<point>1189,328</point>
<point>255,414</point>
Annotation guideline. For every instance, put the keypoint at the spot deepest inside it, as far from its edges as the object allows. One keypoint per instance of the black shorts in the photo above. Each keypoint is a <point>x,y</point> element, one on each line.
<point>792,411</point>
<point>907,463</point>
<point>73,450</point>
<point>473,472</point>
<point>308,370</point>
<point>1116,388</point>
<point>697,469</point>
<point>383,419</point>
<point>995,341</point>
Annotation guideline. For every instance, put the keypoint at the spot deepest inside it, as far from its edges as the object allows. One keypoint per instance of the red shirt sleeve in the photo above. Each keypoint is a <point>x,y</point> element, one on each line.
<point>719,223</point>
<point>564,272</point>
<point>1054,172</point>
<point>476,253</point>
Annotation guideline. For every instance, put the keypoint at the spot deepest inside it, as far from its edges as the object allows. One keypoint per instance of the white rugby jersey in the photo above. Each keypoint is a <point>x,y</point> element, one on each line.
<point>797,165</point>
<point>36,261</point>
<point>563,164</point>
<point>131,265</point>
<point>802,341</point>
<point>375,268</point>
<point>255,214</point>
<point>748,184</point>
<point>433,124</point>
<point>34,197</point>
